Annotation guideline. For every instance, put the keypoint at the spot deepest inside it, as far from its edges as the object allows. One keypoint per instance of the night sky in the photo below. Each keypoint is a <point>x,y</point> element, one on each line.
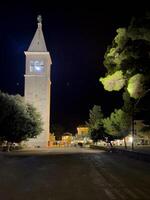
<point>77,37</point>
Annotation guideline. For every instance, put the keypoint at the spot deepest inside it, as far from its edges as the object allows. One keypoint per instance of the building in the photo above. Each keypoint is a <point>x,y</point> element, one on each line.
<point>66,139</point>
<point>82,131</point>
<point>52,140</point>
<point>37,89</point>
<point>82,136</point>
<point>140,137</point>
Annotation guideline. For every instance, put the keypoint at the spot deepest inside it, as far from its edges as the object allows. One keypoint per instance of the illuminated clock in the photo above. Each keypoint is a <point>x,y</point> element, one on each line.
<point>36,66</point>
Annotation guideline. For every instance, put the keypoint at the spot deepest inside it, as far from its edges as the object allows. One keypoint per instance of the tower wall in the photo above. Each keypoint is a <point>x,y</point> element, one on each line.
<point>37,93</point>
<point>37,89</point>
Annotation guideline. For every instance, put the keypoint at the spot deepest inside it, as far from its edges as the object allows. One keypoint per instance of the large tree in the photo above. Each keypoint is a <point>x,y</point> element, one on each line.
<point>127,62</point>
<point>18,120</point>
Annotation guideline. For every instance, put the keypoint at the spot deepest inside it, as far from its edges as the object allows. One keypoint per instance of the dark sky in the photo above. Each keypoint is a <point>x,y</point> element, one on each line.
<point>77,37</point>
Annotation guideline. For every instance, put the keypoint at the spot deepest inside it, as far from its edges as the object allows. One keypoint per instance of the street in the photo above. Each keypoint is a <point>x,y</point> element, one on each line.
<point>72,174</point>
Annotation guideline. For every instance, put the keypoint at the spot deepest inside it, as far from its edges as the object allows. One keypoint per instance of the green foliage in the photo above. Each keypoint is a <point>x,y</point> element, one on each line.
<point>95,118</point>
<point>136,86</point>
<point>128,103</point>
<point>34,123</point>
<point>95,125</point>
<point>129,53</point>
<point>127,62</point>
<point>121,38</point>
<point>18,121</point>
<point>118,124</point>
<point>58,131</point>
<point>114,82</point>
<point>114,54</point>
<point>100,134</point>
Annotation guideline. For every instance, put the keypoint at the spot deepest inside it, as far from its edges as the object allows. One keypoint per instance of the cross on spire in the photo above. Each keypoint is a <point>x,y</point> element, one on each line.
<point>39,18</point>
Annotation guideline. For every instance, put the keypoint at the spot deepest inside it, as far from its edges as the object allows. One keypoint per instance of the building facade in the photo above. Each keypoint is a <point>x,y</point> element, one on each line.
<point>37,89</point>
<point>82,131</point>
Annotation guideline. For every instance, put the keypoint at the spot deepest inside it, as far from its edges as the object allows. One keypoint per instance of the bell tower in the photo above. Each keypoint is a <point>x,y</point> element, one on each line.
<point>37,89</point>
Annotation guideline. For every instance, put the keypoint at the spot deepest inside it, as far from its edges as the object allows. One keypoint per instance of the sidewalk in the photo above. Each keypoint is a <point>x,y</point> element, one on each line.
<point>140,152</point>
<point>141,148</point>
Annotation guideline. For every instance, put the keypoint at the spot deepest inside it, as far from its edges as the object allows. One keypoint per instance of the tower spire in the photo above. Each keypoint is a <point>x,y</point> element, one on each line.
<point>38,41</point>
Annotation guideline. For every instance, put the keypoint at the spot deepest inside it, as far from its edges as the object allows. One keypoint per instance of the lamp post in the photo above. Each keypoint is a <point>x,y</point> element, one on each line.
<point>133,112</point>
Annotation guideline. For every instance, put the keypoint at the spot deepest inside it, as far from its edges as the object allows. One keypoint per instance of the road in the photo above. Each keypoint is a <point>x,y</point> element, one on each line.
<point>72,174</point>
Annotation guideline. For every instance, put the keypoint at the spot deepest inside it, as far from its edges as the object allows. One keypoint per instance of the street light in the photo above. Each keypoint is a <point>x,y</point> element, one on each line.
<point>133,111</point>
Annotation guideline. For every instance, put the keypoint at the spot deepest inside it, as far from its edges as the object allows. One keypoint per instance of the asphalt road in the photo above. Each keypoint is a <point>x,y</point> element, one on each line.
<point>72,174</point>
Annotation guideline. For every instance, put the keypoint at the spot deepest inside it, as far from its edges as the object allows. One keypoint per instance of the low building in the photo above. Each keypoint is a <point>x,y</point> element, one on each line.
<point>82,136</point>
<point>66,139</point>
<point>82,131</point>
<point>140,137</point>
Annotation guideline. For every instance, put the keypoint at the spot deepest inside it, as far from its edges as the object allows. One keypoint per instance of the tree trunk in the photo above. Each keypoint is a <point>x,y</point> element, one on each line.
<point>110,144</point>
<point>125,143</point>
<point>9,146</point>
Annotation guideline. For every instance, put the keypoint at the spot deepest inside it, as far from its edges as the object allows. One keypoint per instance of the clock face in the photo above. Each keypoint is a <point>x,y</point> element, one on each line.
<point>36,66</point>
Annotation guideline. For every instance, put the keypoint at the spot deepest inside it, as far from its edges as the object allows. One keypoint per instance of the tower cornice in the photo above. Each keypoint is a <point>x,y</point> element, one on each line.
<point>36,53</point>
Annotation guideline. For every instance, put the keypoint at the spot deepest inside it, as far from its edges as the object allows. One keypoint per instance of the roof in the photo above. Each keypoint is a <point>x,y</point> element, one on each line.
<point>38,41</point>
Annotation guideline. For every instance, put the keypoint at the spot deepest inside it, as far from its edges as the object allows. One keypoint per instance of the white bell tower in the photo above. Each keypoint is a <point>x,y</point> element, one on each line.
<point>38,84</point>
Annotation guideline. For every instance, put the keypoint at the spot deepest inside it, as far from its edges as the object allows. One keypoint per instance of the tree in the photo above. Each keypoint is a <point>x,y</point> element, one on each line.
<point>18,120</point>
<point>128,60</point>
<point>58,131</point>
<point>118,124</point>
<point>95,125</point>
<point>95,118</point>
<point>128,102</point>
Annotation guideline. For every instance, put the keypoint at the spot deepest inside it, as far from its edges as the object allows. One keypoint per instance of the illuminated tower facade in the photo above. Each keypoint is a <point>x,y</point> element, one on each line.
<point>38,84</point>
